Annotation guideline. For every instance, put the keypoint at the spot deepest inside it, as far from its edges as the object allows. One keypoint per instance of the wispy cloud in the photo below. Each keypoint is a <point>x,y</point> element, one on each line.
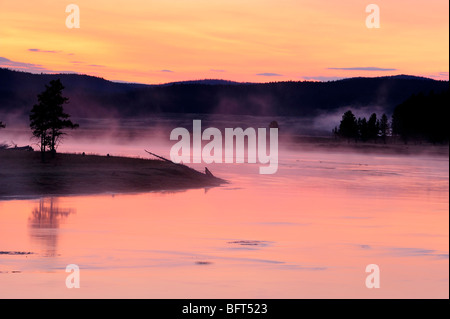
<point>269,74</point>
<point>167,71</point>
<point>44,51</point>
<point>22,66</point>
<point>217,70</point>
<point>81,63</point>
<point>439,76</point>
<point>365,68</point>
<point>27,67</point>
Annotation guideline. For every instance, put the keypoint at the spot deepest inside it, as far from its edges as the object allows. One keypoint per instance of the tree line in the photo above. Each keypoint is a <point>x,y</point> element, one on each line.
<point>421,117</point>
<point>363,129</point>
<point>296,99</point>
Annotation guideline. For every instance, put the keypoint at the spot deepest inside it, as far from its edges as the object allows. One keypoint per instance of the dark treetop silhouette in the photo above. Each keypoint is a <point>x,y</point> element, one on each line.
<point>48,119</point>
<point>423,117</point>
<point>349,125</point>
<point>361,128</point>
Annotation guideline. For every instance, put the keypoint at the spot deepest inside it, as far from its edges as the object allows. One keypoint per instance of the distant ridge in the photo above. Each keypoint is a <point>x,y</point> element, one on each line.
<point>399,76</point>
<point>95,97</point>
<point>204,81</point>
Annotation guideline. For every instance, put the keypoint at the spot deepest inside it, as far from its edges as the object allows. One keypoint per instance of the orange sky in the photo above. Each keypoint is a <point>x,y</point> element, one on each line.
<point>247,40</point>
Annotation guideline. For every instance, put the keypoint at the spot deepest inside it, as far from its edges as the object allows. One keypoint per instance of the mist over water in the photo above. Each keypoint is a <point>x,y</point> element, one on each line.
<point>131,134</point>
<point>307,231</point>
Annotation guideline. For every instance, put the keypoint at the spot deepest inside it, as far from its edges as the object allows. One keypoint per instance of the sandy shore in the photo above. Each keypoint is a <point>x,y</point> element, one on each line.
<point>22,175</point>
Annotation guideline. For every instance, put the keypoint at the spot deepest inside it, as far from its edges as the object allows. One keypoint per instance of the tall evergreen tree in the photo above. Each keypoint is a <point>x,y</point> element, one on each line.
<point>39,125</point>
<point>48,119</point>
<point>363,129</point>
<point>348,127</point>
<point>384,127</point>
<point>373,127</point>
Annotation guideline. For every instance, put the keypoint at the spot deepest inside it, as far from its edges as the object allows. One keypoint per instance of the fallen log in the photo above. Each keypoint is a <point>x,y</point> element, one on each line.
<point>160,157</point>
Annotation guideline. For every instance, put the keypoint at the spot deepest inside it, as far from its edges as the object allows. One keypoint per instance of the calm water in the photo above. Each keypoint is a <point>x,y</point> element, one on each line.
<point>308,231</point>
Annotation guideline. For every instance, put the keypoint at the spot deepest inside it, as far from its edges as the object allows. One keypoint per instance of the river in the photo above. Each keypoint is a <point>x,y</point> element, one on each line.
<point>308,231</point>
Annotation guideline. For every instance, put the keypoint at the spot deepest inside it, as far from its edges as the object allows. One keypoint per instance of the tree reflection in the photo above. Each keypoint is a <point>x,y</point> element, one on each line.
<point>44,222</point>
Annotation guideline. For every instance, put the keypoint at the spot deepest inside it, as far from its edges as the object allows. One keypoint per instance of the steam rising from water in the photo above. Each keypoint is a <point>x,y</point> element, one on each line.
<point>124,137</point>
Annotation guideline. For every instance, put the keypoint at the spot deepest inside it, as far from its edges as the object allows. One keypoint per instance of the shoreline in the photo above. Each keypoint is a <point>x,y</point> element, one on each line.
<point>24,176</point>
<point>413,148</point>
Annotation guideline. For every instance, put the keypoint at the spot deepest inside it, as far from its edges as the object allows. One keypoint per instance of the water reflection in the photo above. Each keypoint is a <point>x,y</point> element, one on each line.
<point>306,232</point>
<point>44,222</point>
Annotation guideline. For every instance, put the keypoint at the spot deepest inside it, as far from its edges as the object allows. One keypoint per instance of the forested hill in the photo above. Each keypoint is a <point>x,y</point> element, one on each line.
<point>95,97</point>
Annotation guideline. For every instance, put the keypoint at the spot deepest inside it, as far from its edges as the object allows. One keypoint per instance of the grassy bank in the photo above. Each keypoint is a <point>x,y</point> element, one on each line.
<point>22,174</point>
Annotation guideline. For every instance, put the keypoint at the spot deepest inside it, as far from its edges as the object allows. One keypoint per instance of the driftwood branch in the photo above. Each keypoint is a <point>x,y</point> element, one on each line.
<point>207,171</point>
<point>160,157</point>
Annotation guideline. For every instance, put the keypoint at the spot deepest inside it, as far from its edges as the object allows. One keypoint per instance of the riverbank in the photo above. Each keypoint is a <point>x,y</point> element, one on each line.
<point>308,143</point>
<point>23,175</point>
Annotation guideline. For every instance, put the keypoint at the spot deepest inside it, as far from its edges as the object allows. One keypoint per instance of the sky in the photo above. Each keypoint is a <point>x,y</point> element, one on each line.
<point>162,41</point>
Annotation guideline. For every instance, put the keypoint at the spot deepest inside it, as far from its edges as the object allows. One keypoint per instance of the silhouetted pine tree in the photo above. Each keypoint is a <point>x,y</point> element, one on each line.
<point>384,127</point>
<point>363,129</point>
<point>48,119</point>
<point>373,127</point>
<point>348,127</point>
